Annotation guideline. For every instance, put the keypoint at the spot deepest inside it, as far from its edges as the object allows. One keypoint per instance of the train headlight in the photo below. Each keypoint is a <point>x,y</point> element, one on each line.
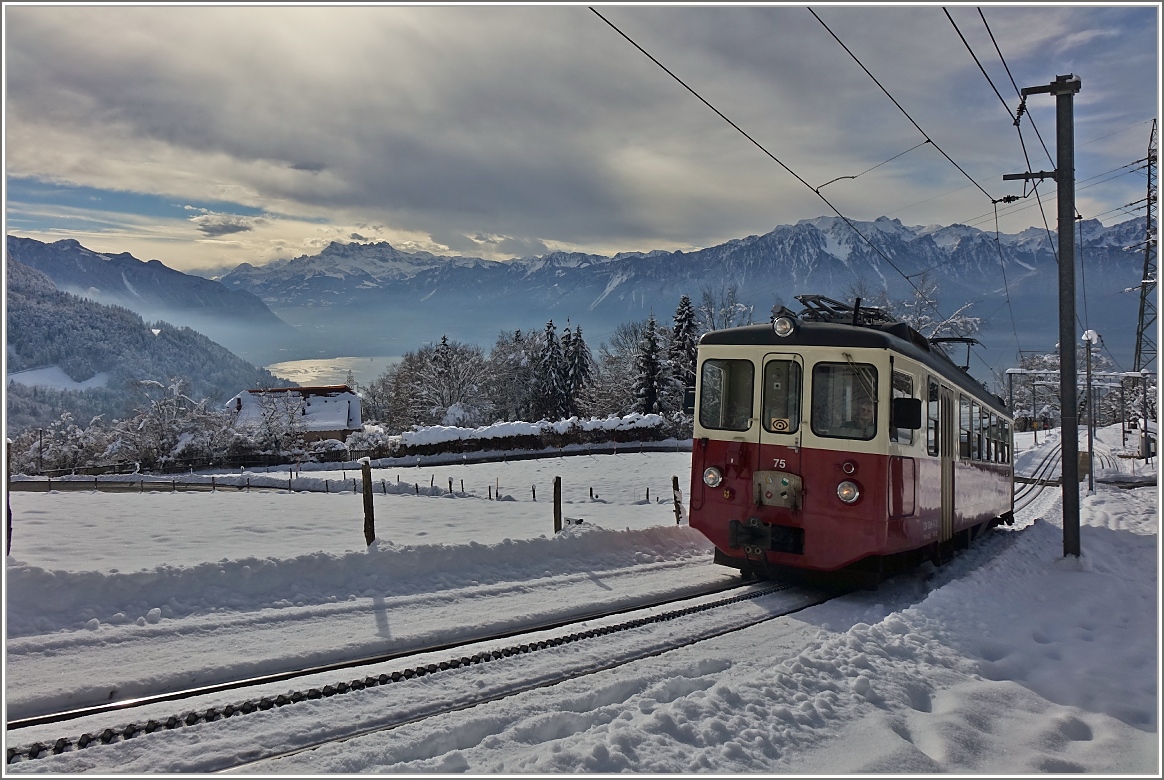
<point>848,492</point>
<point>712,477</point>
<point>783,326</point>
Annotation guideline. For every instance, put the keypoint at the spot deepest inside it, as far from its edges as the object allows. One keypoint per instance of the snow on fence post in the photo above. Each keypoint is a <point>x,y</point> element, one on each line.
<point>369,518</point>
<point>557,505</point>
<point>678,497</point>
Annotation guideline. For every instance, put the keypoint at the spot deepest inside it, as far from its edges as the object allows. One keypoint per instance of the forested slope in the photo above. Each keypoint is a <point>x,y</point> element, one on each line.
<point>48,327</point>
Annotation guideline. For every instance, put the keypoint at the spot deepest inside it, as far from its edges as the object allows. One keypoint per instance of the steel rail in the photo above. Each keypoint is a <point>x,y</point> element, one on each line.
<point>141,701</point>
<point>545,683</point>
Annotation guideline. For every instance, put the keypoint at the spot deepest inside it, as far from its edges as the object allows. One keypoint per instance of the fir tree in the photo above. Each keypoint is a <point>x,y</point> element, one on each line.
<point>579,370</point>
<point>681,350</point>
<point>649,375</point>
<point>549,394</point>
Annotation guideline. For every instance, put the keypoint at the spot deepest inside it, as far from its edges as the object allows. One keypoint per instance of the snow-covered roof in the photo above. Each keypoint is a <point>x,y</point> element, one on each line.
<point>324,408</point>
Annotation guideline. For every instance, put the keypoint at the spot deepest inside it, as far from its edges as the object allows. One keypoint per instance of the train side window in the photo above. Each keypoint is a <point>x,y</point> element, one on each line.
<point>993,438</point>
<point>725,394</point>
<point>963,427</point>
<point>975,432</point>
<point>902,388</point>
<point>932,426</point>
<point>781,396</point>
<point>984,433</point>
<point>844,400</point>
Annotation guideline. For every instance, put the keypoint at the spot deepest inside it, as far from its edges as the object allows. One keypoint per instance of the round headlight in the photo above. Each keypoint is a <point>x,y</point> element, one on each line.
<point>848,491</point>
<point>712,477</point>
<point>783,326</point>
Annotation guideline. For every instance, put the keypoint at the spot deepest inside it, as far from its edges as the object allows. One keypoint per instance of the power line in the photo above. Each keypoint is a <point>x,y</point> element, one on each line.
<point>899,107</point>
<point>979,64</point>
<point>1016,89</point>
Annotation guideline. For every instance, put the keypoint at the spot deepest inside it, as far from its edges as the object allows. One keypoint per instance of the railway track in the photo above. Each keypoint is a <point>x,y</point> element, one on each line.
<point>553,638</point>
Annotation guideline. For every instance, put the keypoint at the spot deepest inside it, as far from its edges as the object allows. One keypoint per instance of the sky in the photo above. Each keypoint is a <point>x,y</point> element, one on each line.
<point>1011,659</point>
<point>207,136</point>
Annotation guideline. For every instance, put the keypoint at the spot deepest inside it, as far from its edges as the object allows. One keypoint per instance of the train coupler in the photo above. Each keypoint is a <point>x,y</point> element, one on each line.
<point>756,537</point>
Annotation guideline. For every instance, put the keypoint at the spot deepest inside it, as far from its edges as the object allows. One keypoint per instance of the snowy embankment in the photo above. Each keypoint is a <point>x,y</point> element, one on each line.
<point>1010,659</point>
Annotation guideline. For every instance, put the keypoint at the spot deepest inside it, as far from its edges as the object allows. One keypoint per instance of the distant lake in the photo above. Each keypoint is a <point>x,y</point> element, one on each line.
<point>333,370</point>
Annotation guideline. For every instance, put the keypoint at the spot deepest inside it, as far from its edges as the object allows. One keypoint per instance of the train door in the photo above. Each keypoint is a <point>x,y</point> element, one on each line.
<point>948,443</point>
<point>781,393</point>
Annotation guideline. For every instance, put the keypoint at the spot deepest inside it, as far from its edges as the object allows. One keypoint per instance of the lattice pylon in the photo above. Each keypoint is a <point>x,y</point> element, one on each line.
<point>1146,332</point>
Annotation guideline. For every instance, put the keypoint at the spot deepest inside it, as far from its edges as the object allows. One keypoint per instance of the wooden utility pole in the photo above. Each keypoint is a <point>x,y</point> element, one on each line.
<point>1064,89</point>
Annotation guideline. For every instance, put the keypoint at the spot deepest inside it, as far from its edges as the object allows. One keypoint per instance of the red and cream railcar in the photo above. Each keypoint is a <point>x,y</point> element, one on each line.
<point>831,440</point>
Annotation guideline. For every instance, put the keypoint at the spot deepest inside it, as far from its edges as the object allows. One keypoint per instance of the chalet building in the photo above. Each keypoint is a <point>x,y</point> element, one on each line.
<point>329,412</point>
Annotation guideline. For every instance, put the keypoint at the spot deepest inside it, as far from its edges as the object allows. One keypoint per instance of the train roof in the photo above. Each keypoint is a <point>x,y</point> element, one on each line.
<point>895,336</point>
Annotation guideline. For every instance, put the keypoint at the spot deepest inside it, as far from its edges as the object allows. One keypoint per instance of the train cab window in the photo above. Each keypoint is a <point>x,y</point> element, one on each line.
<point>963,427</point>
<point>1005,442</point>
<point>725,394</point>
<point>902,388</point>
<point>844,400</point>
<point>781,396</point>
<point>933,404</point>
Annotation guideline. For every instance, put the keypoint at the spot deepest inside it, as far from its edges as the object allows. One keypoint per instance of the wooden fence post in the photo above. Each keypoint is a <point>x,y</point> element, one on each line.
<point>678,499</point>
<point>369,519</point>
<point>557,505</point>
<point>450,484</point>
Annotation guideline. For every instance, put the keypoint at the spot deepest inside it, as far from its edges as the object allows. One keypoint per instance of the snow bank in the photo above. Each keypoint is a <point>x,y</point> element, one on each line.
<point>42,600</point>
<point>438,434</point>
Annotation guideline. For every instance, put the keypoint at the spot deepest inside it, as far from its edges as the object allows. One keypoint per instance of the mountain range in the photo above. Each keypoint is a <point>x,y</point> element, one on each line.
<point>367,299</point>
<point>372,298</point>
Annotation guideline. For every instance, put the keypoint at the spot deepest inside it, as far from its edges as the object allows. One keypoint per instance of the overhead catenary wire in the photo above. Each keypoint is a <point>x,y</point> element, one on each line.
<point>899,106</point>
<point>875,167</point>
<point>773,157</point>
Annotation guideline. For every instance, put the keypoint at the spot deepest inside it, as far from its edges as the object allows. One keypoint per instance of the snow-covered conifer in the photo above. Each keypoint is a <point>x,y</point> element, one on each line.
<point>649,374</point>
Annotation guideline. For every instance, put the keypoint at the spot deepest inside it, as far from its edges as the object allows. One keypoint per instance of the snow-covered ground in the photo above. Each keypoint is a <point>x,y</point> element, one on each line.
<point>55,378</point>
<point>1011,659</point>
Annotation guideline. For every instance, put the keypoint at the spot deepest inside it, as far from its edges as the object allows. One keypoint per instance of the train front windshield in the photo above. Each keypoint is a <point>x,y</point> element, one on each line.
<point>844,397</point>
<point>726,394</point>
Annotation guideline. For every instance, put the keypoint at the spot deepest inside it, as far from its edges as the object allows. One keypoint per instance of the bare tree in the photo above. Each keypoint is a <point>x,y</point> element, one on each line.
<point>722,308</point>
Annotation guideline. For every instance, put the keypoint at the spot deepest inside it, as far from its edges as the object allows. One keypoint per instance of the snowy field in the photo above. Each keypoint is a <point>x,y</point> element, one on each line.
<point>1011,659</point>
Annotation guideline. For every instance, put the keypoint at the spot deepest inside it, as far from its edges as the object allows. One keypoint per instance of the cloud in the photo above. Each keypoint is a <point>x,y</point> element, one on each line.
<point>356,237</point>
<point>223,224</point>
<point>540,127</point>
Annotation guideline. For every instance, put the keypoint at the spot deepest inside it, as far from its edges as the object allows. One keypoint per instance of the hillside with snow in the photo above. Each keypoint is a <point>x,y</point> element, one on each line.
<point>68,354</point>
